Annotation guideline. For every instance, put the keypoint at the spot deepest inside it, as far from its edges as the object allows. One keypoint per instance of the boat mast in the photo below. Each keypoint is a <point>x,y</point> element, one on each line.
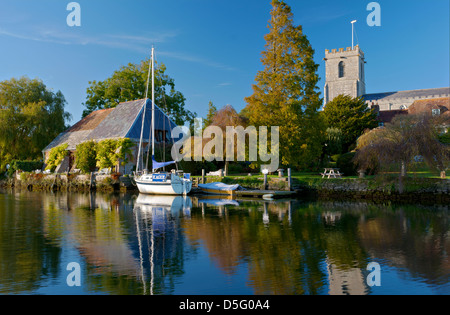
<point>153,106</point>
<point>143,121</point>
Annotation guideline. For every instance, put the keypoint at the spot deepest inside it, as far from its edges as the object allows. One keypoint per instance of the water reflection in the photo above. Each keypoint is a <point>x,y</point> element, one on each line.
<point>138,244</point>
<point>160,241</point>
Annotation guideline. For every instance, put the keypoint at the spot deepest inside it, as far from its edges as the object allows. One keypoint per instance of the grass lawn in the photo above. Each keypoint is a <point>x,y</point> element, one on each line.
<point>417,172</point>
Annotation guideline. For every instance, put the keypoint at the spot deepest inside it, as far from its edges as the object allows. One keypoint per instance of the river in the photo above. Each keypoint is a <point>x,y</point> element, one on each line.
<point>93,243</point>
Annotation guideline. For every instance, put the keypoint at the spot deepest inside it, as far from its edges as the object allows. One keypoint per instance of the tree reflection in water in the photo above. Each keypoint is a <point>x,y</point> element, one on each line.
<point>130,244</point>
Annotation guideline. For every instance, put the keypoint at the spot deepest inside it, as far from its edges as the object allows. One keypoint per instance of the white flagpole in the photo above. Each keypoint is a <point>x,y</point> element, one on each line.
<point>353,23</point>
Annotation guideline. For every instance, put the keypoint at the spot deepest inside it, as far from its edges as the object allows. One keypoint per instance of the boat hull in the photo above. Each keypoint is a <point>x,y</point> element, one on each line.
<point>180,187</point>
<point>216,191</point>
<point>218,188</point>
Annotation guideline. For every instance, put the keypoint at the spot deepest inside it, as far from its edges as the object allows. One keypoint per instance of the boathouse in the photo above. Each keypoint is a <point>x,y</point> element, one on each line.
<point>123,121</point>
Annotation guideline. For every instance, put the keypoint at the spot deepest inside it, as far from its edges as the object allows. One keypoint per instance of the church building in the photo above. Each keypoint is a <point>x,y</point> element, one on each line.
<point>344,73</point>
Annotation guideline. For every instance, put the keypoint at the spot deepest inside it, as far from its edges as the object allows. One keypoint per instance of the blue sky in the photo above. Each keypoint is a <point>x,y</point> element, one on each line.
<point>212,48</point>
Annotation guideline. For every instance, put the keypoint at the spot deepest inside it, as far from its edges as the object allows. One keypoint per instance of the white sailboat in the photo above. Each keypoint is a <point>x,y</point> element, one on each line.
<point>158,183</point>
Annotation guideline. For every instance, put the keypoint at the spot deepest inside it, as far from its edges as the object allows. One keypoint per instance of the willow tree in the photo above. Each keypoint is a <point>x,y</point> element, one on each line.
<point>31,116</point>
<point>404,138</point>
<point>286,92</point>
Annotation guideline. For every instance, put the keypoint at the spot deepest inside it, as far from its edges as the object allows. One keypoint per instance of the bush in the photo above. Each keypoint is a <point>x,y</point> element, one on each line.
<point>335,157</point>
<point>346,165</point>
<point>110,151</point>
<point>86,156</point>
<point>25,166</point>
<point>445,138</point>
<point>235,168</point>
<point>24,176</point>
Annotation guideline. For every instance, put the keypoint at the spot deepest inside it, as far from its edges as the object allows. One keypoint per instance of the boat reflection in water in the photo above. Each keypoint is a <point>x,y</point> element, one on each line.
<point>161,206</point>
<point>160,239</point>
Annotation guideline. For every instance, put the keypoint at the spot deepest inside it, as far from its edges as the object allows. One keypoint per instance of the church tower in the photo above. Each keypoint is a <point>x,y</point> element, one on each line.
<point>344,73</point>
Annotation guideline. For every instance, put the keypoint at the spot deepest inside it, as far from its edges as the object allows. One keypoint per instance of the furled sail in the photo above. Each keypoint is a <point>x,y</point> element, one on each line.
<point>156,165</point>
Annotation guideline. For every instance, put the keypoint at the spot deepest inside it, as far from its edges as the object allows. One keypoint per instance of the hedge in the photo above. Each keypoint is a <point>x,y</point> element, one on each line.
<point>25,166</point>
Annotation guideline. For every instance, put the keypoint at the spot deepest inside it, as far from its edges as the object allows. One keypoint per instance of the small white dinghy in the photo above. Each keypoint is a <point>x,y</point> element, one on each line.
<point>219,188</point>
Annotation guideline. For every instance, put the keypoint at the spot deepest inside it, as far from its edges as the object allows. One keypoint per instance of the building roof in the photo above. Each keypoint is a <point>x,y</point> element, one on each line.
<point>419,106</point>
<point>386,116</point>
<point>91,121</point>
<point>123,121</point>
<point>420,94</point>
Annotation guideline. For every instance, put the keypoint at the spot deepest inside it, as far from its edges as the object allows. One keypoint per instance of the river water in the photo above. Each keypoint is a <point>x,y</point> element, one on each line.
<point>82,243</point>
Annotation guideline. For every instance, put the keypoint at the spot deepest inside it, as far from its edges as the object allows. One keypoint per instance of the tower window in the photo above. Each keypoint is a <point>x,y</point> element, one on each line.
<point>341,69</point>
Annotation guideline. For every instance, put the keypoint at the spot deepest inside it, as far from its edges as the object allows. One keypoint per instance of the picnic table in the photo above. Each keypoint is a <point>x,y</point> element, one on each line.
<point>331,172</point>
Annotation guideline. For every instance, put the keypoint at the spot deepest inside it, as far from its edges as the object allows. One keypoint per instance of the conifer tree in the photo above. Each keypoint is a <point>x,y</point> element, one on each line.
<point>212,111</point>
<point>286,92</point>
<point>350,115</point>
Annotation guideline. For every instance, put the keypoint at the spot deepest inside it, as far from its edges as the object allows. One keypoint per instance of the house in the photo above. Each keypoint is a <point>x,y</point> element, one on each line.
<point>123,121</point>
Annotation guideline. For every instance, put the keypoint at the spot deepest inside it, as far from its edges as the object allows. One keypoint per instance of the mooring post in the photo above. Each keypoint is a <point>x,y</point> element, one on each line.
<point>289,179</point>
<point>203,176</point>
<point>265,181</point>
<point>92,184</point>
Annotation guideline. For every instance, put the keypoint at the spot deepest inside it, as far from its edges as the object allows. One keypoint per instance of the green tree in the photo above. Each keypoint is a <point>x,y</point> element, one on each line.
<point>129,83</point>
<point>333,141</point>
<point>286,92</point>
<point>351,115</point>
<point>31,116</point>
<point>212,111</point>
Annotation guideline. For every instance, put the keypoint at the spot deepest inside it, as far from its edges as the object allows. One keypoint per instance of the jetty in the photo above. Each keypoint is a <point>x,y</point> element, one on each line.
<point>253,193</point>
<point>263,193</point>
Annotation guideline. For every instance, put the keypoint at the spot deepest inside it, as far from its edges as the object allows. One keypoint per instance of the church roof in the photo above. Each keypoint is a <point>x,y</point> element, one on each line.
<point>412,94</point>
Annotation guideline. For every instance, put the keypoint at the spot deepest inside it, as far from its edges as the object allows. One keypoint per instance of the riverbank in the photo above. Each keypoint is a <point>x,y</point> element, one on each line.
<point>69,182</point>
<point>411,189</point>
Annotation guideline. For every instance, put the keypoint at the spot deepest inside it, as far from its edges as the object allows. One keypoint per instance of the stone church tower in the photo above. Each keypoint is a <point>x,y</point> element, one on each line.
<point>344,72</point>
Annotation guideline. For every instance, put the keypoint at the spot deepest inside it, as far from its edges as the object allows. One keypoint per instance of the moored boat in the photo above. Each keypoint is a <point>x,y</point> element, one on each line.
<point>158,183</point>
<point>219,188</point>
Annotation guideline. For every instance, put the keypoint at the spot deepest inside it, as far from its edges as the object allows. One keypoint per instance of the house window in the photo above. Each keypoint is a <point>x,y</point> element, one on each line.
<point>435,112</point>
<point>341,69</point>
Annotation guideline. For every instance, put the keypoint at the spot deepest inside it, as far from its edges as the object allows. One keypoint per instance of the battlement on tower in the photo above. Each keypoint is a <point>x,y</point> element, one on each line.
<point>340,51</point>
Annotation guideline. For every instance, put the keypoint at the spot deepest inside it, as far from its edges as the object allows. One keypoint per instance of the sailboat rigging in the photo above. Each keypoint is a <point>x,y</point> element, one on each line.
<point>159,183</point>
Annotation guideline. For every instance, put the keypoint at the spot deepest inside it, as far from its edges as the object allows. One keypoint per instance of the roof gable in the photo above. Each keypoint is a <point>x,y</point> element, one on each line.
<point>118,122</point>
<point>162,122</point>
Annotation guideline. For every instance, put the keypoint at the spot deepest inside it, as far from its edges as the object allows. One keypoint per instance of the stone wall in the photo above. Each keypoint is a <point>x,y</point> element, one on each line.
<point>411,189</point>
